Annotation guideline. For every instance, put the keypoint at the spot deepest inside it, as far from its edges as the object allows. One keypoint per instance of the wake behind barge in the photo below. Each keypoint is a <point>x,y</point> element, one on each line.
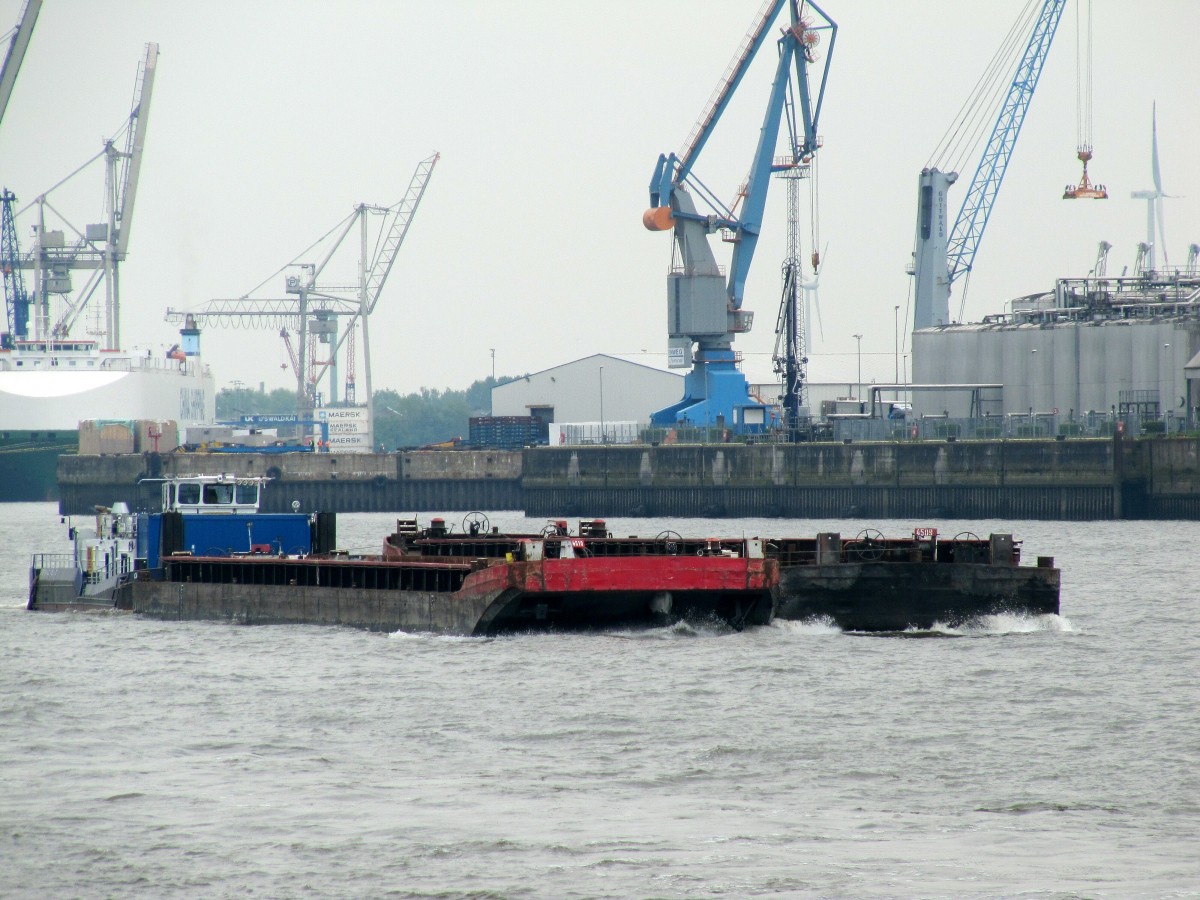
<point>223,560</point>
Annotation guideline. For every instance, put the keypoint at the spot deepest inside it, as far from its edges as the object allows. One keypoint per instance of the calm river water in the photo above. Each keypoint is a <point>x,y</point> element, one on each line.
<point>1055,757</point>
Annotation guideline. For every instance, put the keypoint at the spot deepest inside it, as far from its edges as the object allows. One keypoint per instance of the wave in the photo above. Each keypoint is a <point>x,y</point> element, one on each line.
<point>1005,623</point>
<point>815,625</point>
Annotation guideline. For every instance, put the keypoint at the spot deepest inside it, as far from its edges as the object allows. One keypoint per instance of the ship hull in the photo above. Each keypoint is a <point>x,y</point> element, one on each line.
<point>29,463</point>
<point>476,599</point>
<point>901,596</point>
<point>44,397</point>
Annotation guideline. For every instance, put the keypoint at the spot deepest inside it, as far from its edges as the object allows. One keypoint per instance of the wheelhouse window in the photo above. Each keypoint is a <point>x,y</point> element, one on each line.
<point>218,494</point>
<point>187,493</point>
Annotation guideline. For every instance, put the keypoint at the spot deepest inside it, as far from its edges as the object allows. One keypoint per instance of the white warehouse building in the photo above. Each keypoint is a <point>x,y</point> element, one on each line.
<point>593,389</point>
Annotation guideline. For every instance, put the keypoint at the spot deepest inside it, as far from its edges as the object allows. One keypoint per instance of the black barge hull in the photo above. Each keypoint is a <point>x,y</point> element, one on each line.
<point>898,596</point>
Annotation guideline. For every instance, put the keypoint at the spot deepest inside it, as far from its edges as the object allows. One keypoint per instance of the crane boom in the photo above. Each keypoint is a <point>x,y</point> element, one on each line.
<point>135,142</point>
<point>728,84</point>
<point>403,216</point>
<point>16,51</point>
<point>981,195</point>
<point>940,260</point>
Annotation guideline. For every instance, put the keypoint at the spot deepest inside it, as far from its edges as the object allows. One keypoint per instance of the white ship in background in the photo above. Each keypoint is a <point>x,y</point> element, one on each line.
<point>50,386</point>
<point>61,357</point>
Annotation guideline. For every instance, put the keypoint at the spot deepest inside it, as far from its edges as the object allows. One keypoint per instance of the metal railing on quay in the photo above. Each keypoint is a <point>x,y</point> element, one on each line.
<point>1030,426</point>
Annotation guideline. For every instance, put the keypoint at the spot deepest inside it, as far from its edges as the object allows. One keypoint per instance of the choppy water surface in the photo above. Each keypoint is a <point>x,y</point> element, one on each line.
<point>1054,757</point>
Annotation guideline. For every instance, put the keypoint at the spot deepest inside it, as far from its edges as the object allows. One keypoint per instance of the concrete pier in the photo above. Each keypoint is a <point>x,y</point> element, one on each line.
<point>1077,479</point>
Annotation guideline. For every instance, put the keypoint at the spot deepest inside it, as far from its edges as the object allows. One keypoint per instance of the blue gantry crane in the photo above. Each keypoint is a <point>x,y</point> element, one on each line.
<point>943,256</point>
<point>16,299</point>
<point>704,308</point>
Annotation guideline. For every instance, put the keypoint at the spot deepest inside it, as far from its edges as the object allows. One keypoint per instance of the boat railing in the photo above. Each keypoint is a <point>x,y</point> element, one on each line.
<point>44,561</point>
<point>826,549</point>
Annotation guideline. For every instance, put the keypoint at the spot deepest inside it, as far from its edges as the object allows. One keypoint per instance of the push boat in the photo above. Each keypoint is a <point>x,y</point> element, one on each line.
<point>210,554</point>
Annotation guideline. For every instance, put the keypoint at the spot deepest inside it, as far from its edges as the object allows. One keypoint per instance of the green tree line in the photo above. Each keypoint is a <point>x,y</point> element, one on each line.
<point>427,416</point>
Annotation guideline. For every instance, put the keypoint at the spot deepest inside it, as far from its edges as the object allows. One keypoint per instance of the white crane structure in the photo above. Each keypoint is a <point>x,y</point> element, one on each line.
<point>16,51</point>
<point>97,248</point>
<point>314,308</point>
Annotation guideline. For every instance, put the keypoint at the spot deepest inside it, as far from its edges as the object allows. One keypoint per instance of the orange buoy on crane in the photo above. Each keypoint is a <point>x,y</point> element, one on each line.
<point>658,218</point>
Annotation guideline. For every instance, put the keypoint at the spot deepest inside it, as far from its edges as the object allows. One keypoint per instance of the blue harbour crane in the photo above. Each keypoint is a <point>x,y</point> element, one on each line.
<point>16,299</point>
<point>704,307</point>
<point>942,256</point>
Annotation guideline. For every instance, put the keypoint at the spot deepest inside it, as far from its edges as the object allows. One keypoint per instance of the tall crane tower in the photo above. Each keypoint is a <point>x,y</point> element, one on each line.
<point>16,299</point>
<point>97,248</point>
<point>314,308</point>
<point>942,256</point>
<point>704,308</point>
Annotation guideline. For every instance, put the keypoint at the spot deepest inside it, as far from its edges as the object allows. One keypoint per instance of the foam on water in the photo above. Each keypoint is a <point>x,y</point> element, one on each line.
<point>1000,624</point>
<point>429,636</point>
<point>816,625</point>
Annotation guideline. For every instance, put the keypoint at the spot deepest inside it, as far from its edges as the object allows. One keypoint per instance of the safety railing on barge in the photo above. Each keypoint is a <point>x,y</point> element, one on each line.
<point>593,540</point>
<point>331,572</point>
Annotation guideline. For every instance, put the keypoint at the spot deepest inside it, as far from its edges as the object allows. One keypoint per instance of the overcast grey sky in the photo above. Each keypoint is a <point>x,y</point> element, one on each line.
<point>272,119</point>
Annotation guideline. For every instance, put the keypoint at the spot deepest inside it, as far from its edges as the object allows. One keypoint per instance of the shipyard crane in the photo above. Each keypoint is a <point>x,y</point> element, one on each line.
<point>316,307</point>
<point>704,309</point>
<point>943,256</point>
<point>16,51</point>
<point>98,248</point>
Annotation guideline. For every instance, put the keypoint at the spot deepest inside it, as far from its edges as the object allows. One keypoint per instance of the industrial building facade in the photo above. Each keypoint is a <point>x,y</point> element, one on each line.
<point>1114,346</point>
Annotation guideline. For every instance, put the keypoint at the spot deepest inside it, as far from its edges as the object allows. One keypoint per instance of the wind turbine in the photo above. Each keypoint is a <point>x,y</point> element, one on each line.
<point>1153,199</point>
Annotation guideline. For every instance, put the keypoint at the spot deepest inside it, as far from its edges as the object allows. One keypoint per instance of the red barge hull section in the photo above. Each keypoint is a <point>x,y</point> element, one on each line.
<point>477,597</point>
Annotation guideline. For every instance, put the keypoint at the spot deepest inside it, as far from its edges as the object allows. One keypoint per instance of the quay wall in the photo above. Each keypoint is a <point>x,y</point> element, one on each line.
<point>1077,479</point>
<point>985,479</point>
